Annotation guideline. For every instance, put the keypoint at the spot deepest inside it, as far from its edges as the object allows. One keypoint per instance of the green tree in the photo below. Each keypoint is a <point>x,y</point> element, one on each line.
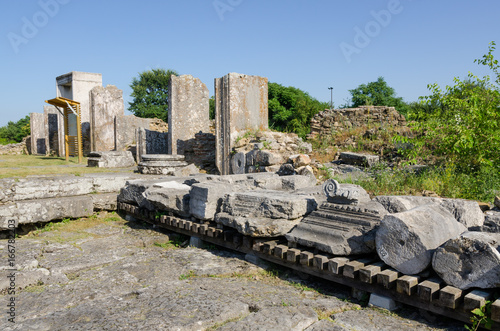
<point>464,128</point>
<point>291,109</point>
<point>14,132</point>
<point>377,93</point>
<point>150,93</point>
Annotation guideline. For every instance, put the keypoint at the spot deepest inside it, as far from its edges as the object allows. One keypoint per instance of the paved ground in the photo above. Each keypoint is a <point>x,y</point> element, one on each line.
<point>106,273</point>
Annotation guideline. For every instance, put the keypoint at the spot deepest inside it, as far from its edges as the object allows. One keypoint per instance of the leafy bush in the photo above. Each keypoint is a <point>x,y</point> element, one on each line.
<point>14,132</point>
<point>291,109</point>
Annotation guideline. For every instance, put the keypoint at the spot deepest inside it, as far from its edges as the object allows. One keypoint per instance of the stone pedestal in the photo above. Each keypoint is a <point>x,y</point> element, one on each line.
<point>161,164</point>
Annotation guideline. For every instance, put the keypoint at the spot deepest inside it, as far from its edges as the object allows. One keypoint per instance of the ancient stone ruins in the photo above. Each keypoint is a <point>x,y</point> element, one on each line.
<point>429,252</point>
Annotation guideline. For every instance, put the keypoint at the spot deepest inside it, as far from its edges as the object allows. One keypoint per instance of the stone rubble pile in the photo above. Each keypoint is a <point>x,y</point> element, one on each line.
<point>410,234</point>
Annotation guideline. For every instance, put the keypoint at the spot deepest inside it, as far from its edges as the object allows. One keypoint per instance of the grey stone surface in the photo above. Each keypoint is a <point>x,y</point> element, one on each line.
<point>112,159</point>
<point>150,142</point>
<point>105,104</point>
<point>240,105</point>
<point>170,196</point>
<point>339,229</point>
<point>106,201</point>
<point>45,210</point>
<point>238,163</point>
<point>125,130</point>
<point>308,172</point>
<point>111,275</point>
<point>38,137</point>
<point>256,227</point>
<point>286,169</point>
<point>54,130</point>
<point>365,160</point>
<point>161,164</point>
<point>188,111</point>
<point>206,199</point>
<point>296,182</point>
<point>491,222</point>
<point>407,240</point>
<point>466,212</point>
<point>345,193</point>
<point>188,170</point>
<point>471,260</point>
<point>267,204</point>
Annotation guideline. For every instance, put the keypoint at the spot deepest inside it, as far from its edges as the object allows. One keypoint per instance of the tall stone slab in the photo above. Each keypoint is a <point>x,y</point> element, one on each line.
<point>106,103</point>
<point>38,138</point>
<point>188,111</point>
<point>54,130</point>
<point>76,86</point>
<point>240,105</point>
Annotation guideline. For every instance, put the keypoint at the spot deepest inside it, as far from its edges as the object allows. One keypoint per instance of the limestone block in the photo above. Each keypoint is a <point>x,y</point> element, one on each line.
<point>111,159</point>
<point>188,170</point>
<point>240,105</point>
<point>267,204</point>
<point>188,111</point>
<point>206,199</point>
<point>296,182</point>
<point>345,194</point>
<point>471,260</point>
<point>45,210</point>
<point>238,163</point>
<point>106,201</point>
<point>266,158</point>
<point>256,227</point>
<point>308,172</point>
<point>170,196</point>
<point>38,137</point>
<point>125,130</point>
<point>105,104</point>
<point>339,229</point>
<point>466,212</point>
<point>365,160</point>
<point>407,240</point>
<point>299,160</point>
<point>491,222</point>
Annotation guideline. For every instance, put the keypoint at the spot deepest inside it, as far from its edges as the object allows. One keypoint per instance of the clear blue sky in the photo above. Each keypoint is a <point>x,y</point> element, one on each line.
<point>307,44</point>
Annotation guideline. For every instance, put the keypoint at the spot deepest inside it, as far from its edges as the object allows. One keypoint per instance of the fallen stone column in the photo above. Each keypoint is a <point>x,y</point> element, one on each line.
<point>407,240</point>
<point>471,260</point>
<point>466,212</point>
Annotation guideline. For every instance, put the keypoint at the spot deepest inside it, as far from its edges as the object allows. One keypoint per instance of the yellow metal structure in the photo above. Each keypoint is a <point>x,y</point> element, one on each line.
<point>72,126</point>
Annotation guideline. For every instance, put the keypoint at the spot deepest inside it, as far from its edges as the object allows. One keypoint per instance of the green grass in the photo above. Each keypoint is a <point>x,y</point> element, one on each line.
<point>445,182</point>
<point>25,165</point>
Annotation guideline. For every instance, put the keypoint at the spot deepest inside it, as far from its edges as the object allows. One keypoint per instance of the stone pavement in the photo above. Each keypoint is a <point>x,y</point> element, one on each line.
<point>112,274</point>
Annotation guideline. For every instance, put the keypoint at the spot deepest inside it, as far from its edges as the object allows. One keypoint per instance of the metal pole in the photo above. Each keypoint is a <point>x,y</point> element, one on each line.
<point>331,97</point>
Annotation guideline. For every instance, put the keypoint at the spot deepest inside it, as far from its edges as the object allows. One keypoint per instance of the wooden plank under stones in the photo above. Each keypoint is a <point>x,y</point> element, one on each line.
<point>211,232</point>
<point>203,229</point>
<point>495,311</point>
<point>268,247</point>
<point>219,233</point>
<point>388,278</point>
<point>195,227</point>
<point>336,264</point>
<point>428,290</point>
<point>163,219</point>
<point>368,274</point>
<point>407,284</point>
<point>450,297</point>
<point>229,236</point>
<point>174,222</point>
<point>320,262</point>
<point>187,225</point>
<point>351,269</point>
<point>476,299</point>
<point>181,223</point>
<point>247,242</point>
<point>257,246</point>
<point>293,255</point>
<point>306,258</point>
<point>280,251</point>
<point>238,240</point>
